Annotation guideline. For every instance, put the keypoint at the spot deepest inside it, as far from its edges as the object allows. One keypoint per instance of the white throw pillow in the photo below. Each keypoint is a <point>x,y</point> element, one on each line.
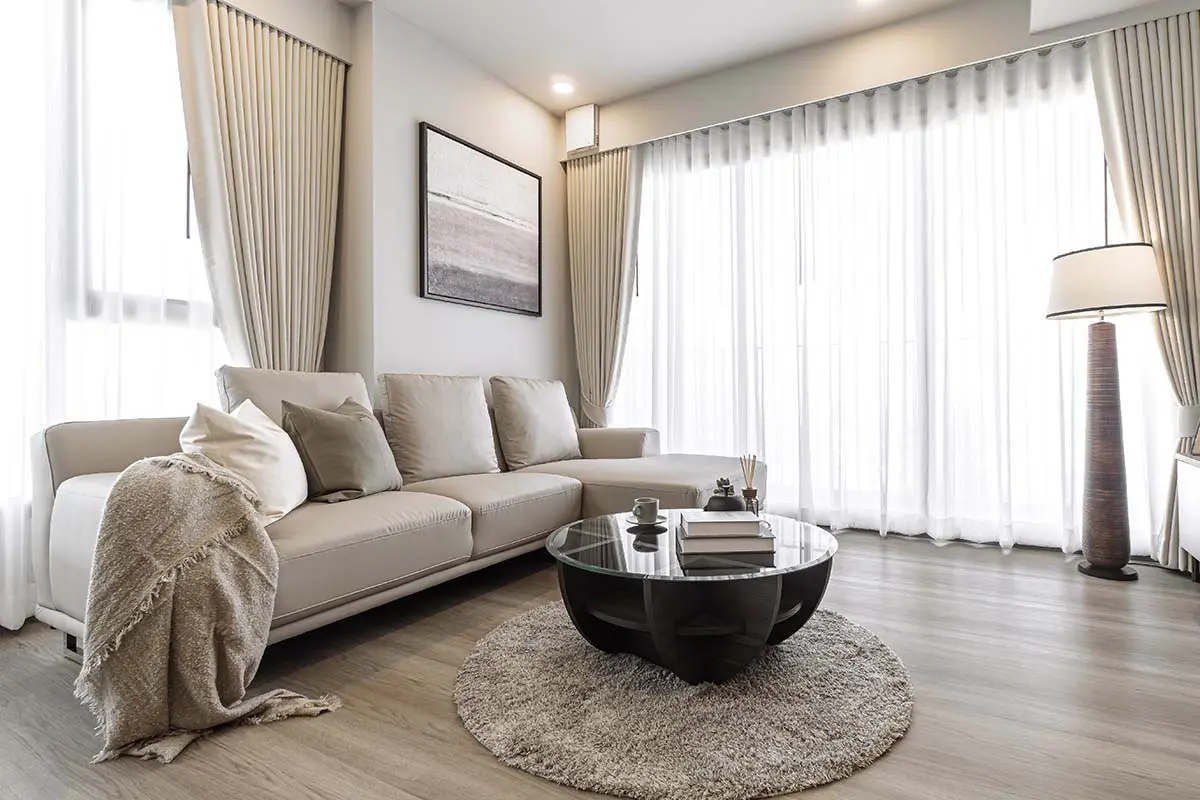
<point>534,421</point>
<point>437,425</point>
<point>249,443</point>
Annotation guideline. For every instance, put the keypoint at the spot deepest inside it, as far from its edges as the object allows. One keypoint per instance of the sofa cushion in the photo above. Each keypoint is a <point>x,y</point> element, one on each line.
<point>510,508</point>
<point>344,451</point>
<point>437,425</point>
<point>330,554</point>
<point>610,485</point>
<point>74,528</point>
<point>249,443</point>
<point>268,388</point>
<point>534,420</point>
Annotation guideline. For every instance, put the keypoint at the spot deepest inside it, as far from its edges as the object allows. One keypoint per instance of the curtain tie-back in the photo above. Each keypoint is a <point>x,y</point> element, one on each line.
<point>599,414</point>
<point>1189,418</point>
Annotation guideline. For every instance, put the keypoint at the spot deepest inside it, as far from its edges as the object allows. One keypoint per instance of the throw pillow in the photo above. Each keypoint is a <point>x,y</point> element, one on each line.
<point>535,421</point>
<point>249,443</point>
<point>437,425</point>
<point>344,452</point>
<point>268,388</point>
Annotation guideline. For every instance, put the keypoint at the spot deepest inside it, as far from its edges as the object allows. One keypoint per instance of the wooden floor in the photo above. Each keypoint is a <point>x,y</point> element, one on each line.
<point>1031,682</point>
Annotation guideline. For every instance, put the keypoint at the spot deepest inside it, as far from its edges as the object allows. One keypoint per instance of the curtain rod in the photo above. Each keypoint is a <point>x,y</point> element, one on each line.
<point>978,65</point>
<point>231,5</point>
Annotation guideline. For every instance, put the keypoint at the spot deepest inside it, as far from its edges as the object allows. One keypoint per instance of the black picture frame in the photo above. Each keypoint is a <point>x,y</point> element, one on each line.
<point>490,287</point>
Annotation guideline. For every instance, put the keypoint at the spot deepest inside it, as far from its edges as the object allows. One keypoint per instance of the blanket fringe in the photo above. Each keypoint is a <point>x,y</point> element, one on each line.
<point>199,464</point>
<point>166,746</point>
<point>295,706</point>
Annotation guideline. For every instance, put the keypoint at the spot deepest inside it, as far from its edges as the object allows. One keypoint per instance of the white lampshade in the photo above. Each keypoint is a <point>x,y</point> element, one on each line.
<point>1105,281</point>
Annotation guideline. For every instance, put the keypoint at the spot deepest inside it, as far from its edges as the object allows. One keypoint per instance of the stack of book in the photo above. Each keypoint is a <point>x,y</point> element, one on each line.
<point>716,537</point>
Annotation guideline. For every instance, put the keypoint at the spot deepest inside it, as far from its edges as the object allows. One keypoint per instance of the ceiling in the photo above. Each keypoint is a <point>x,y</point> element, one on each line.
<point>1048,14</point>
<point>616,48</point>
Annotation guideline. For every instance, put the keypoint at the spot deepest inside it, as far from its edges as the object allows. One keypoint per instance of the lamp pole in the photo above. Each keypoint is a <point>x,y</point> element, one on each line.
<point>1105,497</point>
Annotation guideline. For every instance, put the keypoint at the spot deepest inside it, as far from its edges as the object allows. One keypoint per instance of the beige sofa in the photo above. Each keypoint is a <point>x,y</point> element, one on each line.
<point>342,558</point>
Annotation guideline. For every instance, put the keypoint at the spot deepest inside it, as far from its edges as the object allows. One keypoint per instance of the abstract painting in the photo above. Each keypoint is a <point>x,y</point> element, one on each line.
<point>481,227</point>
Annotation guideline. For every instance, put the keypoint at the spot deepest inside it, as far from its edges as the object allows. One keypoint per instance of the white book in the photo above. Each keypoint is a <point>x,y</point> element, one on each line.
<point>763,543</point>
<point>719,523</point>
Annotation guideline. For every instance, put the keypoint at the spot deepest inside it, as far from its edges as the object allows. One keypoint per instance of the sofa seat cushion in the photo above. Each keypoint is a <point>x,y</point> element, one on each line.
<point>610,485</point>
<point>509,508</point>
<point>74,529</point>
<point>331,553</point>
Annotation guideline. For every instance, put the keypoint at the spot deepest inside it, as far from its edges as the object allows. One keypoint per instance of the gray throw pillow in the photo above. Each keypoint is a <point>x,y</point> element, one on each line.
<point>345,453</point>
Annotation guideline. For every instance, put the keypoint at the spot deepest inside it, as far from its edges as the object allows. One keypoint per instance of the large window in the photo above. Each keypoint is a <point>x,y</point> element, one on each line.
<point>139,327</point>
<point>856,291</point>
<point>104,310</point>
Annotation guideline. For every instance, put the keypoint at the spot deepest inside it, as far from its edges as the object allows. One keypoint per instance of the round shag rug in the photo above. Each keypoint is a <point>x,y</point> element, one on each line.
<point>814,709</point>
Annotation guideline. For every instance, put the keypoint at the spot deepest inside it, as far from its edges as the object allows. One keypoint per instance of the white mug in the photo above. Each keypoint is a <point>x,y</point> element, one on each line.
<point>645,510</point>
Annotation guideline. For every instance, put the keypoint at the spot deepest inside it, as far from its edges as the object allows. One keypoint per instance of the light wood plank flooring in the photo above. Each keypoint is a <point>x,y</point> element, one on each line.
<point>1031,680</point>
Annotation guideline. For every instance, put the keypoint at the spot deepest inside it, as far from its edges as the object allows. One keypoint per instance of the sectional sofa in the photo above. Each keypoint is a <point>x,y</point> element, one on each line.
<point>342,558</point>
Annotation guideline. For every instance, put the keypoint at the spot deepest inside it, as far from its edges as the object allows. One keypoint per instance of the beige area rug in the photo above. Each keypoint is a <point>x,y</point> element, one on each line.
<point>816,708</point>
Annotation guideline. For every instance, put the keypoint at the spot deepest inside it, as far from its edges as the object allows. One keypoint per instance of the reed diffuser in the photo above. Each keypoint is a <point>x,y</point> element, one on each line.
<point>750,493</point>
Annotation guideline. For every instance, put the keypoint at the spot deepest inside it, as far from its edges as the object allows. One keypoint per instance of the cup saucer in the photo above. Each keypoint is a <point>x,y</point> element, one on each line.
<point>635,522</point>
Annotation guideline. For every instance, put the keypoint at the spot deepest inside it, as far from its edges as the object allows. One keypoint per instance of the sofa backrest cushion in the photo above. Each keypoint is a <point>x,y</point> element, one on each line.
<point>344,451</point>
<point>534,420</point>
<point>268,388</point>
<point>437,425</point>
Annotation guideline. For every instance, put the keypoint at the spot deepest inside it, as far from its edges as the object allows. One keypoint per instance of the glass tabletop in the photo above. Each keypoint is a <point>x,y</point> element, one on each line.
<point>613,546</point>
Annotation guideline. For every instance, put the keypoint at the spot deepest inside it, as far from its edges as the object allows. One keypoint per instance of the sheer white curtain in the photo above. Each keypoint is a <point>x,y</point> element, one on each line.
<point>104,306</point>
<point>856,291</point>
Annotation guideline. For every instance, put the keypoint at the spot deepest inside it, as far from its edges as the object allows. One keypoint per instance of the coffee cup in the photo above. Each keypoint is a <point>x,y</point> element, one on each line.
<point>645,510</point>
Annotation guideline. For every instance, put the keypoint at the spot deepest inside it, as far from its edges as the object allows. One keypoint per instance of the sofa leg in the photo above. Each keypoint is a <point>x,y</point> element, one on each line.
<point>71,648</point>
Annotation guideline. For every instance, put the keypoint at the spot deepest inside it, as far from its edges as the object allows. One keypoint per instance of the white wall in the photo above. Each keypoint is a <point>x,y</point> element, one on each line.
<point>322,23</point>
<point>414,78</point>
<point>960,34</point>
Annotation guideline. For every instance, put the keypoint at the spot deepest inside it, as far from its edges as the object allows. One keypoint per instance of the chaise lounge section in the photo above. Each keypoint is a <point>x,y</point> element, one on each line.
<point>337,559</point>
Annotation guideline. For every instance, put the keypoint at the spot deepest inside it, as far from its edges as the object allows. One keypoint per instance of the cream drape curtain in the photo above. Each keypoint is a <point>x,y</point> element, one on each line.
<point>264,125</point>
<point>603,192</point>
<point>1147,80</point>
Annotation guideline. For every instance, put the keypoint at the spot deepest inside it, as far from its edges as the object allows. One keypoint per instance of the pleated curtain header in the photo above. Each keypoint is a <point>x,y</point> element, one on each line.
<point>259,21</point>
<point>891,108</point>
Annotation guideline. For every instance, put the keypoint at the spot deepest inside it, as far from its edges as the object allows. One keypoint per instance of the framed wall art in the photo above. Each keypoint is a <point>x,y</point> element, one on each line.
<point>481,227</point>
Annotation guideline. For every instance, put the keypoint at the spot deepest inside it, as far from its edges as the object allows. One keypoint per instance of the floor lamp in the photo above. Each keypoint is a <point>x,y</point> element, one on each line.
<point>1103,282</point>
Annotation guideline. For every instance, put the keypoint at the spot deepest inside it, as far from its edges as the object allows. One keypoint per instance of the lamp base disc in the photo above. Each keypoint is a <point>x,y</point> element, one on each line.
<point>1108,573</point>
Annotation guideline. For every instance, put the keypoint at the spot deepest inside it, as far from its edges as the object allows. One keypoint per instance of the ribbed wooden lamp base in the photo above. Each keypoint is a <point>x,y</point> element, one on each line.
<point>1105,501</point>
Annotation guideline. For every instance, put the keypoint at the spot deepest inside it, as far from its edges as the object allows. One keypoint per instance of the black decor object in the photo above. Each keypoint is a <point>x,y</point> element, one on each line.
<point>724,498</point>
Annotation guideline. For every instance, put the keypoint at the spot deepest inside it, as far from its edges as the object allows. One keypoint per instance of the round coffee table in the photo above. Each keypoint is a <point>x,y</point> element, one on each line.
<point>628,590</point>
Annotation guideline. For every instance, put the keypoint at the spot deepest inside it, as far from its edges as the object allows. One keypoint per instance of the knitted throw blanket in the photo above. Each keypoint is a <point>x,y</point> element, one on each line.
<point>179,608</point>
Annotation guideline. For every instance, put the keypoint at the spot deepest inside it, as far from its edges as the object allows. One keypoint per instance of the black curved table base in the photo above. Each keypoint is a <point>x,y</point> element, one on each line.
<point>700,630</point>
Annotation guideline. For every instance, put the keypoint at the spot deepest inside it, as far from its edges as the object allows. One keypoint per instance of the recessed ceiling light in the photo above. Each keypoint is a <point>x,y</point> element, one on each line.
<point>561,86</point>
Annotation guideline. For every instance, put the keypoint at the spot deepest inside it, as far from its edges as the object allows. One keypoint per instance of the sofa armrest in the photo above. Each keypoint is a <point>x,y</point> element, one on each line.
<point>618,442</point>
<point>72,449</point>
